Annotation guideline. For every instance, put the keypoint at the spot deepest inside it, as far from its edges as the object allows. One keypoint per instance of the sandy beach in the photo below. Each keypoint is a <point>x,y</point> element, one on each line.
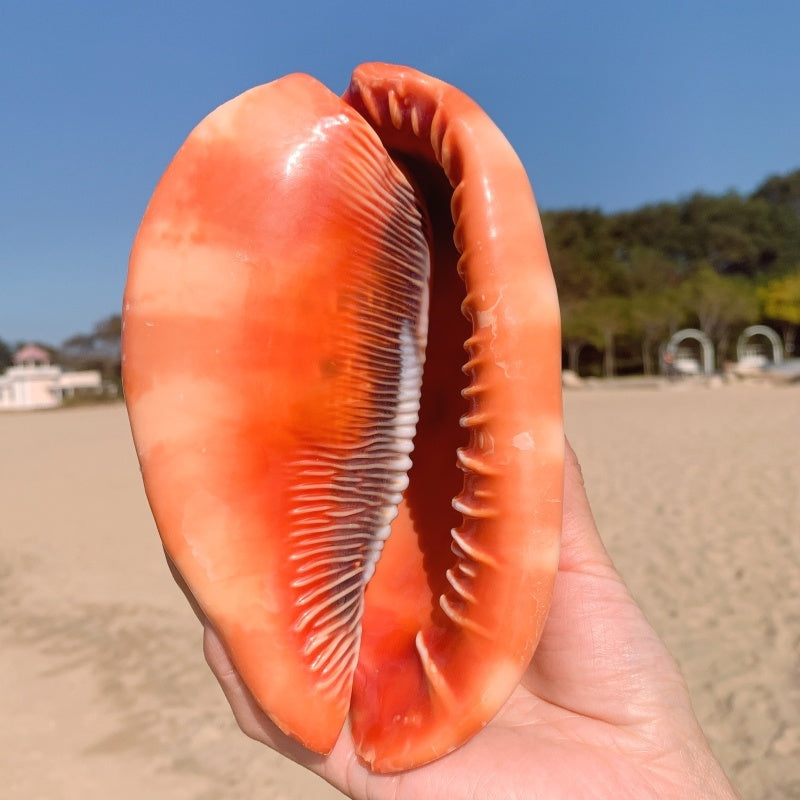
<point>104,690</point>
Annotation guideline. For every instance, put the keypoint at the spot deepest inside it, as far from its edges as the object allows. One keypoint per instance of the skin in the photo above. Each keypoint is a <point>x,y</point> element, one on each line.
<point>602,711</point>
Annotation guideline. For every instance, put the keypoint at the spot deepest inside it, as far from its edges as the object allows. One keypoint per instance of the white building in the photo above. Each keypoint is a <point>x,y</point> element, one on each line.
<point>33,382</point>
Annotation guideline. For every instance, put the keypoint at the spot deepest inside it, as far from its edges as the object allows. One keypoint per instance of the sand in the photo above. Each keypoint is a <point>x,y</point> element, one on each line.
<point>104,691</point>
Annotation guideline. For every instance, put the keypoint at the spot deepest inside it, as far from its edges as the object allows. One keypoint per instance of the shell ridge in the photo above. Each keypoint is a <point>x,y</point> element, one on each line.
<point>344,490</point>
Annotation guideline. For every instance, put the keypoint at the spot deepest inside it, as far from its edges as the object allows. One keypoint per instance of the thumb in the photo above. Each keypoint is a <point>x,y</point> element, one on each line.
<point>582,549</point>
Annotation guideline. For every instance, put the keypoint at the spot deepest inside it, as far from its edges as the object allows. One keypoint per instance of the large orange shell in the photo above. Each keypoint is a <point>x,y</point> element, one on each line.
<point>294,271</point>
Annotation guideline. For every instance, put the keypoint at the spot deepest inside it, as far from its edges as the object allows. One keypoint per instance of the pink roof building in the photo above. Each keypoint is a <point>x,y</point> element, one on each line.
<point>31,355</point>
<point>33,382</point>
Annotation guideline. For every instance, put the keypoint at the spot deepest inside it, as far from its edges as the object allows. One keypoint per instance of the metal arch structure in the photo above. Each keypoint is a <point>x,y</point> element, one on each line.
<point>759,330</point>
<point>706,346</point>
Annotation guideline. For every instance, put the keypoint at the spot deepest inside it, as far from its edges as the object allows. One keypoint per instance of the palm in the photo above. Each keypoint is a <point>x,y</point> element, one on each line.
<point>573,728</point>
<point>602,711</point>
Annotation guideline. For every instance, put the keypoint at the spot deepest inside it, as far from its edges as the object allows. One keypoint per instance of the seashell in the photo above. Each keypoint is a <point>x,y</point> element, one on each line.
<point>341,359</point>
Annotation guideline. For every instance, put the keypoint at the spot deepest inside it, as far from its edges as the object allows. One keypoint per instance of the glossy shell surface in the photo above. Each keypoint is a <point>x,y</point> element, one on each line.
<point>341,357</point>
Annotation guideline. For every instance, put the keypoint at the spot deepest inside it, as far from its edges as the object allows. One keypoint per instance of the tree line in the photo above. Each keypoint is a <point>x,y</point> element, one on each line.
<point>627,281</point>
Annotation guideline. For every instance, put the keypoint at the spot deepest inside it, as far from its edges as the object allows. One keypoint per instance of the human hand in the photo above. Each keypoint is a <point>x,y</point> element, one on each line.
<point>602,711</point>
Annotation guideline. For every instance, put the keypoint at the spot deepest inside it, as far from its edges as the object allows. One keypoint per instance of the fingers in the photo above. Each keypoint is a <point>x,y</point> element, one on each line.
<point>250,718</point>
<point>582,548</point>
<point>184,587</point>
<point>598,656</point>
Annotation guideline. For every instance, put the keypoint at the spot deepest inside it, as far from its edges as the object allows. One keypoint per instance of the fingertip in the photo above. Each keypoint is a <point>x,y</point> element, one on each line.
<point>577,510</point>
<point>214,652</point>
<point>572,467</point>
<point>581,544</point>
<point>187,592</point>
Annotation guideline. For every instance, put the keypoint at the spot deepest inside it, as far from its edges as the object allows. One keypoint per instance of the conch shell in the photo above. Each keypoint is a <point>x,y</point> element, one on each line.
<point>368,515</point>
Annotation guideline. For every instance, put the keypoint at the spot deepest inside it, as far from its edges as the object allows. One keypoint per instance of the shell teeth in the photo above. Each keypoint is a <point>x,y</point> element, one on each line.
<point>436,679</point>
<point>456,611</point>
<point>458,582</point>
<point>416,123</point>
<point>395,109</point>
<point>370,100</point>
<point>475,419</point>
<point>472,509</point>
<point>471,550</point>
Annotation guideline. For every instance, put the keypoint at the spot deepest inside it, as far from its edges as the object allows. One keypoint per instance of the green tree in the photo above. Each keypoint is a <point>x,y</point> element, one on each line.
<point>656,228</point>
<point>782,190</point>
<point>6,356</point>
<point>100,349</point>
<point>607,318</point>
<point>719,303</point>
<point>581,252</point>
<point>649,270</point>
<point>654,316</point>
<point>711,249</point>
<point>576,331</point>
<point>780,299</point>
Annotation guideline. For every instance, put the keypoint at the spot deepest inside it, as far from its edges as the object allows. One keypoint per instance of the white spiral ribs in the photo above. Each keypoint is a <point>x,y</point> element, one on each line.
<point>344,487</point>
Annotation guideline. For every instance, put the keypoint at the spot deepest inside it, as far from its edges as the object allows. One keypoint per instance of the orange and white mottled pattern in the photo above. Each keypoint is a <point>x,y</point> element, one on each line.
<point>304,285</point>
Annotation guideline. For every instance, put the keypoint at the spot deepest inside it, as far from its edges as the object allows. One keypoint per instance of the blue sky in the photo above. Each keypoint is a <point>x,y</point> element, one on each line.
<point>610,105</point>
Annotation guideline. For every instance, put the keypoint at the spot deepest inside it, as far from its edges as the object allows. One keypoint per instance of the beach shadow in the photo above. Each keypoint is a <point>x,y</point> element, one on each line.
<point>151,682</point>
